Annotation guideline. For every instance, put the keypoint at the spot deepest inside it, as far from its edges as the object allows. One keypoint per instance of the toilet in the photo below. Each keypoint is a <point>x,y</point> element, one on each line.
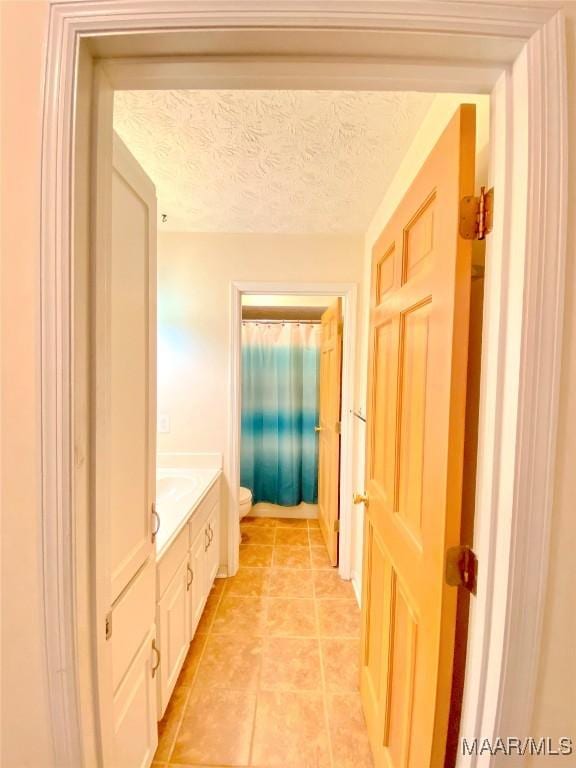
<point>245,502</point>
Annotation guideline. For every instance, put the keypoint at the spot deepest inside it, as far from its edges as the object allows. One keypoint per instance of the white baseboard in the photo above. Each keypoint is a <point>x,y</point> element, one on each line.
<point>302,511</point>
<point>357,587</point>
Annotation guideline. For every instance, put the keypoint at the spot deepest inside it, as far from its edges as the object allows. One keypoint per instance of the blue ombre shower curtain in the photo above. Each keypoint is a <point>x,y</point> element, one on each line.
<point>279,450</point>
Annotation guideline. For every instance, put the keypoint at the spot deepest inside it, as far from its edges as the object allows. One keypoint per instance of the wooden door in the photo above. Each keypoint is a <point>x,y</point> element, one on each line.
<point>132,368</point>
<point>419,319</point>
<point>329,427</point>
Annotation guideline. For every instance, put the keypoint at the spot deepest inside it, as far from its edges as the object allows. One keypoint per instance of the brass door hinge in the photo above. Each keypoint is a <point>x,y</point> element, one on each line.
<point>462,568</point>
<point>338,427</point>
<point>336,526</point>
<point>476,214</point>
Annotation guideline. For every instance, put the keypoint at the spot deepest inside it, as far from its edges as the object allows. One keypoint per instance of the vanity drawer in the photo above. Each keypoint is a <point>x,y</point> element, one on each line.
<point>171,560</point>
<point>199,518</point>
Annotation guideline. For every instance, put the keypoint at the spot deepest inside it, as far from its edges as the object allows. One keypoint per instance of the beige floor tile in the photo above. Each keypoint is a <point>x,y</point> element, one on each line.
<point>258,555</point>
<point>290,582</point>
<point>240,616</point>
<point>319,557</point>
<point>290,731</point>
<point>216,728</point>
<point>329,584</point>
<point>313,524</point>
<point>350,747</point>
<point>192,660</point>
<point>230,661</point>
<point>338,618</point>
<point>219,585</point>
<point>290,556</point>
<point>248,581</point>
<point>316,538</point>
<point>290,663</point>
<point>257,534</point>
<point>291,617</point>
<point>209,612</point>
<point>294,536</point>
<point>265,522</point>
<point>341,661</point>
<point>291,522</point>
<point>168,726</point>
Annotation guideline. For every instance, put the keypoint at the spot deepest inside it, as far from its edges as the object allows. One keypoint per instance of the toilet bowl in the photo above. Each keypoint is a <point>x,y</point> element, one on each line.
<point>245,502</point>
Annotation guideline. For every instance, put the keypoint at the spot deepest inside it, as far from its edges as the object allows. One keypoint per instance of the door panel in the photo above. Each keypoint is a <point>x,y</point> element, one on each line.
<point>415,437</point>
<point>123,402</point>
<point>213,552</point>
<point>173,633</point>
<point>329,434</point>
<point>134,712</point>
<point>132,370</point>
<point>132,615</point>
<point>197,592</point>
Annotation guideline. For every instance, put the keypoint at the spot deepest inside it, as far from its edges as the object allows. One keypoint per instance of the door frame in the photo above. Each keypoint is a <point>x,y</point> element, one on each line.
<point>523,66</point>
<point>348,293</point>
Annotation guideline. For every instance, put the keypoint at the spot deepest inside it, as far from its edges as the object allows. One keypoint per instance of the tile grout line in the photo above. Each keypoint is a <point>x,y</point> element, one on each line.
<point>192,681</point>
<point>323,679</point>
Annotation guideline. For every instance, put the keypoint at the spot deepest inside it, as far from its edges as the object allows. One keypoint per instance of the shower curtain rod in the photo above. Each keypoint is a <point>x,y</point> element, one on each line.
<point>281,322</point>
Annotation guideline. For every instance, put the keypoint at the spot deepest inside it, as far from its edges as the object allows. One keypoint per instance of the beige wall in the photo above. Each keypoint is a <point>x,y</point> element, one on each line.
<point>194,276</point>
<point>25,722</point>
<point>26,741</point>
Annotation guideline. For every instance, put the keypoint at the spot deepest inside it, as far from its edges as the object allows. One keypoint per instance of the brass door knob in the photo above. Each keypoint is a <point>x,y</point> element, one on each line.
<point>360,498</point>
<point>317,429</point>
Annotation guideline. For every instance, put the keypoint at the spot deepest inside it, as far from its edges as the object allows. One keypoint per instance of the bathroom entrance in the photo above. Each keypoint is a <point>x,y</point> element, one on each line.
<point>291,371</point>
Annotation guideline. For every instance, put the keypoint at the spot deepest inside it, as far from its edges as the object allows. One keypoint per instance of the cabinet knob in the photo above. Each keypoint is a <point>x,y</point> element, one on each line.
<point>190,577</point>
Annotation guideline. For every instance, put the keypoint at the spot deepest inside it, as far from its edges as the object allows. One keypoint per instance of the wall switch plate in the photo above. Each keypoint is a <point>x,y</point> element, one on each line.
<point>163,423</point>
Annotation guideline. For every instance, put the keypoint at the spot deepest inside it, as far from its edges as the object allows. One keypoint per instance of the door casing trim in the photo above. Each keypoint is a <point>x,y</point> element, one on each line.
<point>522,339</point>
<point>347,291</point>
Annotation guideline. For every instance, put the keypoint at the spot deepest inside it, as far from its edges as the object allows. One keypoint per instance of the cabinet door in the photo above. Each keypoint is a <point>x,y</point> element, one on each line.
<point>125,423</point>
<point>173,633</point>
<point>213,551</point>
<point>134,711</point>
<point>197,591</point>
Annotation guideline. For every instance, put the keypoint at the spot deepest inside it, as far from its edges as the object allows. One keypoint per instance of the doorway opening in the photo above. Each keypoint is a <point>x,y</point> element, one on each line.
<point>291,409</point>
<point>128,74</point>
<point>198,540</point>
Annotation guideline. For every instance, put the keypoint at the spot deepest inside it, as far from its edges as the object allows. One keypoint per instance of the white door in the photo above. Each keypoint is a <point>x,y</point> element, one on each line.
<point>173,632</point>
<point>197,590</point>
<point>213,546</point>
<point>132,368</point>
<point>134,711</point>
<point>123,392</point>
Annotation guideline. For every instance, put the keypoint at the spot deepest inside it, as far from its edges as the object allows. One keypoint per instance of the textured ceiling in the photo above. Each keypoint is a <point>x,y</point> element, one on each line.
<point>268,161</point>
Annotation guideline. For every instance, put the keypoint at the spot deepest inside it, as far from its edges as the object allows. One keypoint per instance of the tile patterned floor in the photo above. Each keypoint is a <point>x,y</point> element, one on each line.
<point>271,678</point>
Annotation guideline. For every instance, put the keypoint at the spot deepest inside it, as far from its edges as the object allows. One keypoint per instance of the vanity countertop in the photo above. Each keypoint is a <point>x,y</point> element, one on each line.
<point>178,494</point>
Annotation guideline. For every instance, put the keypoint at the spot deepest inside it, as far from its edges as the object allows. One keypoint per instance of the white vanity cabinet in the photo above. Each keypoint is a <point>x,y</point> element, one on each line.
<point>185,573</point>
